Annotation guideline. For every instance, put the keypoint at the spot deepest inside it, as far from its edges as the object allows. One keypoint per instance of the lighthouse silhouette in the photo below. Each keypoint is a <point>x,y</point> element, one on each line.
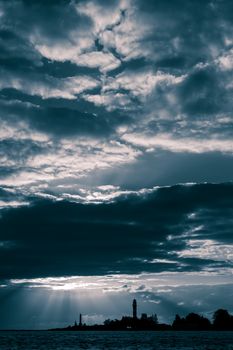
<point>134,309</point>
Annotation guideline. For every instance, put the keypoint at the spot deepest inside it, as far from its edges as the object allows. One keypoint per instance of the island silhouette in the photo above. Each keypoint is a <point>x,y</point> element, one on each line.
<point>222,321</point>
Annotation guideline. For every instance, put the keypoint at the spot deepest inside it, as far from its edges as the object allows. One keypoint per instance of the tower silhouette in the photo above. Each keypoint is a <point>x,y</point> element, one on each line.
<point>134,309</point>
<point>80,320</point>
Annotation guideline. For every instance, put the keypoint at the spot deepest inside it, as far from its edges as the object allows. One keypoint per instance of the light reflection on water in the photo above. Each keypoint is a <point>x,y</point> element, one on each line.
<point>44,340</point>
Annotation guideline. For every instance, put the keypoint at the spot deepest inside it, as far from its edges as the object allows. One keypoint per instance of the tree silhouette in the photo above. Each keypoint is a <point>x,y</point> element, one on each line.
<point>191,322</point>
<point>222,320</point>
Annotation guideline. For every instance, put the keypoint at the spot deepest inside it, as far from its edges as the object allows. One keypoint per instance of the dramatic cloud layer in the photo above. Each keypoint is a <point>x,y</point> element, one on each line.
<point>180,228</point>
<point>116,147</point>
<point>89,85</point>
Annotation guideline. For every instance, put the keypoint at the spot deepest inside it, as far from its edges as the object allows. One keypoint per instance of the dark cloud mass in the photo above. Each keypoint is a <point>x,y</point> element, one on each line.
<point>149,232</point>
<point>116,150</point>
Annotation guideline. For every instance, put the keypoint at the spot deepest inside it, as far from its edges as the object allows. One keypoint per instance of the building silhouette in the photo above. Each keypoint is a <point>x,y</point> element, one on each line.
<point>80,320</point>
<point>222,321</point>
<point>134,309</point>
<point>144,316</point>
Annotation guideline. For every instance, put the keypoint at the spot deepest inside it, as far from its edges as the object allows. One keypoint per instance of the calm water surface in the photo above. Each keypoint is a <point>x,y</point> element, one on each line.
<point>44,340</point>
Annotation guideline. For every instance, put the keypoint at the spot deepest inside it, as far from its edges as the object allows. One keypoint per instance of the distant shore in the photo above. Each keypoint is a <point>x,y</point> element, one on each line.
<point>221,321</point>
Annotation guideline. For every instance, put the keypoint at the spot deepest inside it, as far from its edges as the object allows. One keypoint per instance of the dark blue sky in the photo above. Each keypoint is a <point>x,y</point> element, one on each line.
<point>116,159</point>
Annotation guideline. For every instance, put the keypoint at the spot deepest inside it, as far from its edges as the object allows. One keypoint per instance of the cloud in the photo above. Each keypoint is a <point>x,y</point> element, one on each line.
<point>226,61</point>
<point>123,84</point>
<point>147,231</point>
<point>50,87</point>
<point>102,16</point>
<point>144,283</point>
<point>104,61</point>
<point>208,249</point>
<point>167,142</point>
<point>94,59</point>
<point>11,204</point>
<point>32,161</point>
<point>140,84</point>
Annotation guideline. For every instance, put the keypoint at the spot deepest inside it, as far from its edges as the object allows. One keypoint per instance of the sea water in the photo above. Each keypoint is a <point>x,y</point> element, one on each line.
<point>92,340</point>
